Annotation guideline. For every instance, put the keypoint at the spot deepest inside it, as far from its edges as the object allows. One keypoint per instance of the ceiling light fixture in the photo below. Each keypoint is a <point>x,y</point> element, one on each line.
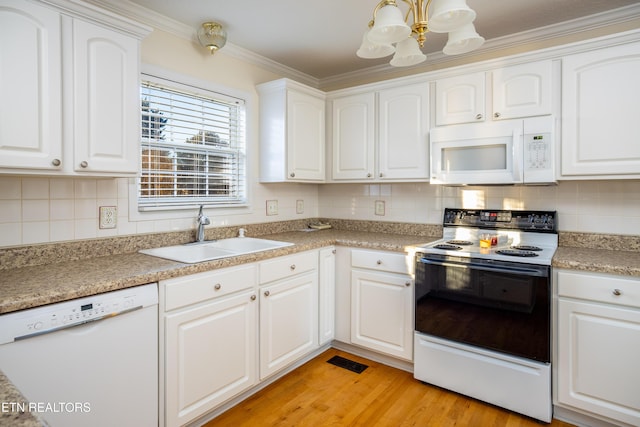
<point>212,36</point>
<point>390,33</point>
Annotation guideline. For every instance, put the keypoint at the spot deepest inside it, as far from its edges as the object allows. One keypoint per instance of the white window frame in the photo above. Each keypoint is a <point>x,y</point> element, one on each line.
<point>177,80</point>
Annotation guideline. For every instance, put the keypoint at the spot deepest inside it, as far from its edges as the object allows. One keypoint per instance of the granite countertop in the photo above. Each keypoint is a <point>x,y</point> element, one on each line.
<point>32,286</point>
<point>626,263</point>
<point>11,413</point>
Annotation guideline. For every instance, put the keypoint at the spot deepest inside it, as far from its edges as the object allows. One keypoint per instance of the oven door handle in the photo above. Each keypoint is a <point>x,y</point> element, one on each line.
<point>491,268</point>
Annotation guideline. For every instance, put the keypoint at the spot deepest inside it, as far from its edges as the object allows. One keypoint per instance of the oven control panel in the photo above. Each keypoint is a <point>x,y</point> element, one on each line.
<point>537,221</point>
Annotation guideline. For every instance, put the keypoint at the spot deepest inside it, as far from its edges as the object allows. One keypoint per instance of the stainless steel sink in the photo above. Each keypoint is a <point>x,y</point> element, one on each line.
<point>192,253</point>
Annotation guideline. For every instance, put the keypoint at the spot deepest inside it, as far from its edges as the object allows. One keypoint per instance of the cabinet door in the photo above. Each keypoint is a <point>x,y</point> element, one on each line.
<point>598,353</point>
<point>403,144</point>
<point>522,90</point>
<point>288,321</point>
<point>210,356</point>
<point>306,137</point>
<point>30,86</point>
<point>353,137</point>
<point>106,100</point>
<point>327,295</point>
<point>460,99</point>
<point>381,312</point>
<point>600,93</point>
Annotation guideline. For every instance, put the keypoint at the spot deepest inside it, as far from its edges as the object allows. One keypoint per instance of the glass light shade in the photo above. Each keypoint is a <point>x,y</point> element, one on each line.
<point>389,26</point>
<point>407,53</point>
<point>463,40</point>
<point>212,36</point>
<point>449,15</point>
<point>370,50</point>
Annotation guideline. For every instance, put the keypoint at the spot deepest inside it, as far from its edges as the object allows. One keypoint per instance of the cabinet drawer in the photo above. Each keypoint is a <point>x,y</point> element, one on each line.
<point>599,287</point>
<point>381,261</point>
<point>183,291</point>
<point>287,266</point>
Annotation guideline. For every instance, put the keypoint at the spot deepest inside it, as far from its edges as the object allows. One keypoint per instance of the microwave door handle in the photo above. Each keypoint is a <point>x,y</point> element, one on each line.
<point>518,149</point>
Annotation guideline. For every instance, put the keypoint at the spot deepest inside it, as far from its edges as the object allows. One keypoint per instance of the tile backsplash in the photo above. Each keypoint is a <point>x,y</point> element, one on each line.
<point>39,209</point>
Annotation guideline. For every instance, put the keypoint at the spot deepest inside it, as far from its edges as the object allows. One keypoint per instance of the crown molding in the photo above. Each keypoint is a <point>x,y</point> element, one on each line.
<point>380,72</point>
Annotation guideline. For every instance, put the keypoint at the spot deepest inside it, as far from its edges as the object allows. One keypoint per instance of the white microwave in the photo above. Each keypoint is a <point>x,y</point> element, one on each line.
<point>502,152</point>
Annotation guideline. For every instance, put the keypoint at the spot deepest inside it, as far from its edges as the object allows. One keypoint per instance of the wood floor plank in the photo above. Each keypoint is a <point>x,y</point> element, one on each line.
<point>321,394</point>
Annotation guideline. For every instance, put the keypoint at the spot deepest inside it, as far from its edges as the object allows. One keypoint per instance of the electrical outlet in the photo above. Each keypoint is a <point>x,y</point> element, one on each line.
<point>299,206</point>
<point>379,207</point>
<point>108,216</point>
<point>272,207</point>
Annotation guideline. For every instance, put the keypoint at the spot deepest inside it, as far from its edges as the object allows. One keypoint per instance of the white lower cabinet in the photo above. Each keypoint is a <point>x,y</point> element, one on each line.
<point>209,341</point>
<point>382,303</point>
<point>326,295</point>
<point>599,345</point>
<point>288,310</point>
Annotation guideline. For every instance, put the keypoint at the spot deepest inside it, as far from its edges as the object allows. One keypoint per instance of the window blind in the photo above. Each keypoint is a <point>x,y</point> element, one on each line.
<point>192,148</point>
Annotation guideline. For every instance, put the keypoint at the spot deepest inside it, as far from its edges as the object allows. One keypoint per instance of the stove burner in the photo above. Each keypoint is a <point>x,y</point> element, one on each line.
<point>448,247</point>
<point>460,242</point>
<point>516,252</point>
<point>526,248</point>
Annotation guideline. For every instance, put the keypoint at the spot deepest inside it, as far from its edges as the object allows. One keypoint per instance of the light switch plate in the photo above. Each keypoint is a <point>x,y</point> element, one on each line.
<point>108,217</point>
<point>299,206</point>
<point>272,207</point>
<point>379,207</point>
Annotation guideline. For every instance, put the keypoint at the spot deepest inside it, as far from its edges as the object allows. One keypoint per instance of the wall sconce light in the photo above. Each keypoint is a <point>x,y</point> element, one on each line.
<point>212,36</point>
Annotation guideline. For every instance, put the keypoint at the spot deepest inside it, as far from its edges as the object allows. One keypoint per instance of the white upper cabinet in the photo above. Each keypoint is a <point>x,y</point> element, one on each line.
<point>353,129</point>
<point>106,107</point>
<point>600,93</point>
<point>403,132</point>
<point>523,90</point>
<point>381,135</point>
<point>460,99</point>
<point>292,132</point>
<point>69,90</point>
<point>30,86</point>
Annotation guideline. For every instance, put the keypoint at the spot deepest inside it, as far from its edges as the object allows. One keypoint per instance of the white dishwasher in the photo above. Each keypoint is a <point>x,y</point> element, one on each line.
<point>91,361</point>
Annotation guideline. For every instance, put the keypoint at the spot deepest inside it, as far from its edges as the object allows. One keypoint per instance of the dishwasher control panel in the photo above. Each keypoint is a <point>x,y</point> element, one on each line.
<point>53,317</point>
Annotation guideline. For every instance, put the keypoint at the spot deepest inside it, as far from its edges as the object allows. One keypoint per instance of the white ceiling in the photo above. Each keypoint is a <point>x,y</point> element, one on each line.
<point>319,38</point>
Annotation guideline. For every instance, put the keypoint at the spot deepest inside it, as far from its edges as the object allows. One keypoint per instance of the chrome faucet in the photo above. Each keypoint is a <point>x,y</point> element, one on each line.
<point>201,221</point>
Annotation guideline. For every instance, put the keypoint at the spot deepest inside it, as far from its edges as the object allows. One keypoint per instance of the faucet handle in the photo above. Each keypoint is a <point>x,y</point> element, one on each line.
<point>200,212</point>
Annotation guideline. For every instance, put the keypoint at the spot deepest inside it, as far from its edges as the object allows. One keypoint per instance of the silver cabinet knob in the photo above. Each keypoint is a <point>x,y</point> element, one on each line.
<point>379,262</point>
<point>496,115</point>
<point>253,297</point>
<point>617,292</point>
<point>407,283</point>
<point>333,251</point>
<point>267,293</point>
<point>478,116</point>
<point>84,164</point>
<point>292,267</point>
<point>56,162</point>
<point>217,286</point>
<point>292,174</point>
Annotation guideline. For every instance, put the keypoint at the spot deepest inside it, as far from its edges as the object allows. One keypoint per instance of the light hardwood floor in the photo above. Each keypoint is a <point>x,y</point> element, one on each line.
<point>321,394</point>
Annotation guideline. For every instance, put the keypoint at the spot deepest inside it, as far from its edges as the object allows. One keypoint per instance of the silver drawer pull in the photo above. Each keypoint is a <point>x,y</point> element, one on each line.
<point>253,297</point>
<point>407,284</point>
<point>84,164</point>
<point>379,262</point>
<point>217,286</point>
<point>292,267</point>
<point>617,292</point>
<point>267,293</point>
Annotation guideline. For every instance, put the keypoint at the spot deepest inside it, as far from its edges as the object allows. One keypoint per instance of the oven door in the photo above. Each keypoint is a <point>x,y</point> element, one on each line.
<point>497,305</point>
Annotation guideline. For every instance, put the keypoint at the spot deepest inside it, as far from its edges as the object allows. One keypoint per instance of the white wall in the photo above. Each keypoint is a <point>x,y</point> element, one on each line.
<point>585,206</point>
